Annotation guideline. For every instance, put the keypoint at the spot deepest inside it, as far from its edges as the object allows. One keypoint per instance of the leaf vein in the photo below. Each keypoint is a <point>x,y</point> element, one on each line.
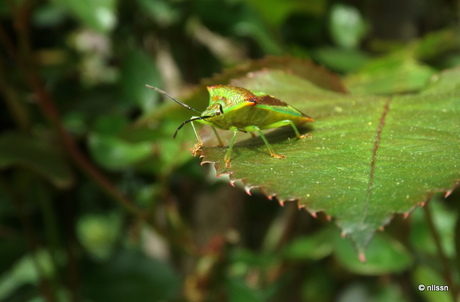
<point>386,109</point>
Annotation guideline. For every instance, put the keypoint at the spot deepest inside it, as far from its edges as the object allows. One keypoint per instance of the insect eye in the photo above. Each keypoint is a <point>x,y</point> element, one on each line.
<point>221,110</point>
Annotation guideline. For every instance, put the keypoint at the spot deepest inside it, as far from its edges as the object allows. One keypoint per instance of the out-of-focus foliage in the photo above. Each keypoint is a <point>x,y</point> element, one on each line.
<point>99,203</point>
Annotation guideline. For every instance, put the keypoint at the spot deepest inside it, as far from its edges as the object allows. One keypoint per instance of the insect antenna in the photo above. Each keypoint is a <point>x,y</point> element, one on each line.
<point>175,100</point>
<point>190,120</point>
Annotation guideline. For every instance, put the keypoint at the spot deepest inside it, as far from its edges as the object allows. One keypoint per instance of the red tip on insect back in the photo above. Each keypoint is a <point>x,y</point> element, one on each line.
<point>405,215</point>
<point>314,214</point>
<point>343,235</point>
<point>447,193</point>
<point>281,202</point>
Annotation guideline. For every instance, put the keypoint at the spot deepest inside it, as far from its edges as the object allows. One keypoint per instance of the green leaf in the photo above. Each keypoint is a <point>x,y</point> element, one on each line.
<point>96,14</point>
<point>27,270</point>
<point>384,255</point>
<point>395,73</point>
<point>115,153</point>
<point>239,291</point>
<point>368,156</point>
<point>421,237</point>
<point>438,45</point>
<point>37,154</point>
<point>275,12</point>
<point>339,59</point>
<point>162,12</point>
<point>130,276</point>
<point>346,25</point>
<point>49,15</point>
<point>313,246</point>
<point>97,233</point>
<point>137,70</point>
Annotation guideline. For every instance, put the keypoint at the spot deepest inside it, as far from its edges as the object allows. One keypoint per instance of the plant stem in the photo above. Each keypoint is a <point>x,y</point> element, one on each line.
<point>442,255</point>
<point>49,110</point>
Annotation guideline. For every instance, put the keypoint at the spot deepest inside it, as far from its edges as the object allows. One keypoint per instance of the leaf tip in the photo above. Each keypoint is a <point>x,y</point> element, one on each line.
<point>362,257</point>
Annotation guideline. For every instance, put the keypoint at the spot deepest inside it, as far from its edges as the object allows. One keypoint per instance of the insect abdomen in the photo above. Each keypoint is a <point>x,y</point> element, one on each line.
<point>254,116</point>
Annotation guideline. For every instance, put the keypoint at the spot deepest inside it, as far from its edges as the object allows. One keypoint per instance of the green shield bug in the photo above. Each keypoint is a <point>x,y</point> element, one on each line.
<point>238,109</point>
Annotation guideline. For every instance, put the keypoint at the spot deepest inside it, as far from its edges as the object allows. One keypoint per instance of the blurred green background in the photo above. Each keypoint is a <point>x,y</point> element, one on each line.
<point>99,203</point>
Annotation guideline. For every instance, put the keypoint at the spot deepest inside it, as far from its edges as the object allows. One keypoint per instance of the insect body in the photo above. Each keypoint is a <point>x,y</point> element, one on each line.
<point>238,109</point>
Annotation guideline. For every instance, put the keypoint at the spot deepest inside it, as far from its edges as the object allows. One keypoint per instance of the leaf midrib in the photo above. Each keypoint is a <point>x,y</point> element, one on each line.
<point>386,109</point>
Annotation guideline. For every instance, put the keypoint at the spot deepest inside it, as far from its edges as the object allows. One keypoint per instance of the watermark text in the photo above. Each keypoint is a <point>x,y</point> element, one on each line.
<point>433,288</point>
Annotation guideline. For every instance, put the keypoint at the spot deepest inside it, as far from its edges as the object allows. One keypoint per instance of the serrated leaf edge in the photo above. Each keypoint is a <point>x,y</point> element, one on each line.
<point>361,252</point>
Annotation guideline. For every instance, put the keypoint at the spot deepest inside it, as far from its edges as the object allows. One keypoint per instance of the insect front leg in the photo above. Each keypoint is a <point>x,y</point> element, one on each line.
<point>230,147</point>
<point>199,144</point>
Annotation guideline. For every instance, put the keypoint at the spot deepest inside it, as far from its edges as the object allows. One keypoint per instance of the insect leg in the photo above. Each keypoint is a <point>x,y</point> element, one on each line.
<point>218,137</point>
<point>230,147</point>
<point>270,149</point>
<point>196,133</point>
<point>297,133</point>
<point>285,123</point>
<point>197,145</point>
